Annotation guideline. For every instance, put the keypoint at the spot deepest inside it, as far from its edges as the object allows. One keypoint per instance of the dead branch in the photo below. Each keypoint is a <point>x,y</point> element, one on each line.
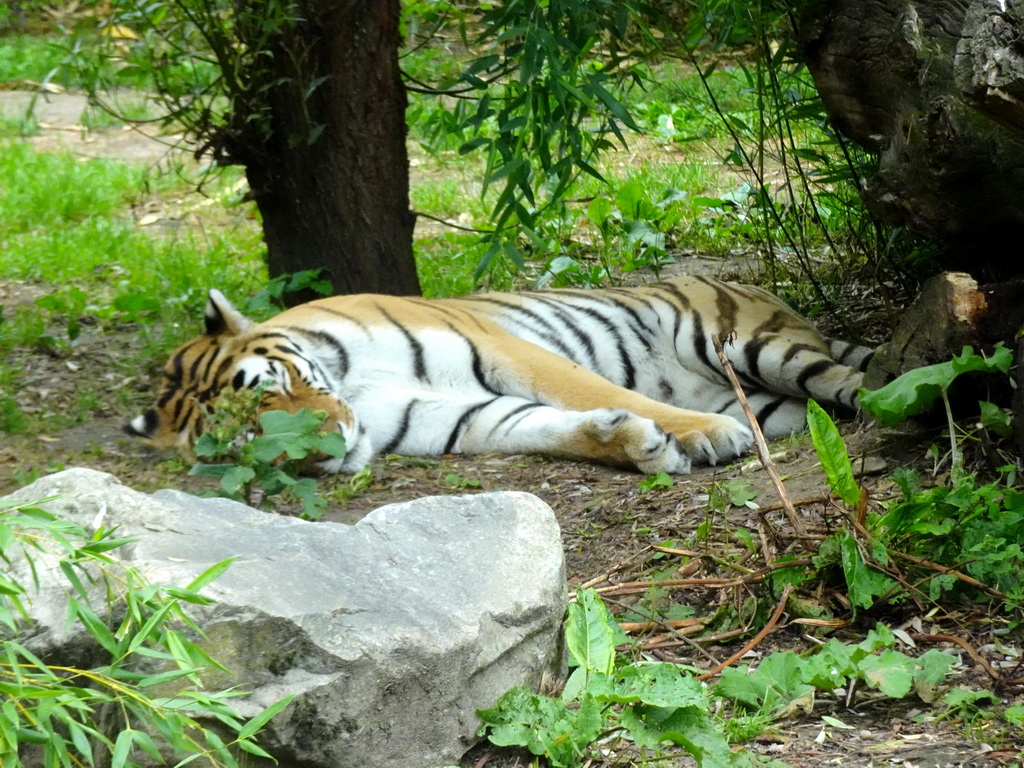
<point>759,442</point>
<point>756,639</point>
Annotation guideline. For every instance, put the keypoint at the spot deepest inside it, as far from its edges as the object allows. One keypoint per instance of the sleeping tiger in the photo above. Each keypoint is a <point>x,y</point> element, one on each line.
<point>620,376</point>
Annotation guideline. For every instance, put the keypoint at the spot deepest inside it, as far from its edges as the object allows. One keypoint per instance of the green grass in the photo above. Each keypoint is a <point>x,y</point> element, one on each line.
<point>66,222</point>
<point>32,57</point>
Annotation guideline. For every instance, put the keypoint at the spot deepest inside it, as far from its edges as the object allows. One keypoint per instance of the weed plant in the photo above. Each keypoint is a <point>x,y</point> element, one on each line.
<point>120,711</point>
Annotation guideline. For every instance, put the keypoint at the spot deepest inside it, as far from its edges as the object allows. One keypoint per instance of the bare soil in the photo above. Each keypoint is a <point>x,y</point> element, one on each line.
<point>614,535</point>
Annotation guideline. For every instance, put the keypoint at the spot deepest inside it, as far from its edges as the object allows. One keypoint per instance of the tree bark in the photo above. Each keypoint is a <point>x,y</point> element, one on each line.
<point>320,128</point>
<point>934,87</point>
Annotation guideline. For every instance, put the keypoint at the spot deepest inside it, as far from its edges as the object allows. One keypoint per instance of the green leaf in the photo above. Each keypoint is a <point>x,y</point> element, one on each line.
<point>996,419</point>
<point>143,634</point>
<point>891,672</point>
<point>295,433</point>
<point>122,748</point>
<point>598,211</point>
<point>660,684</point>
<point>333,444</point>
<point>210,574</point>
<point>777,681</point>
<point>264,717</point>
<point>209,446</point>
<point>235,478</point>
<point>588,634</point>
<point>832,453</point>
<point>966,701</point>
<point>933,666</point>
<point>166,677</point>
<point>915,390</point>
<point>660,480</point>
<point>863,583</point>
<point>209,470</point>
<point>1014,714</point>
<point>830,667</point>
<point>686,727</point>
<point>543,725</point>
<point>253,749</point>
<point>313,505</point>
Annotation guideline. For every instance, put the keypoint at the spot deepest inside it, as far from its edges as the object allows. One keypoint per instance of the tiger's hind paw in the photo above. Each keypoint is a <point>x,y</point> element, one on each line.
<point>638,442</point>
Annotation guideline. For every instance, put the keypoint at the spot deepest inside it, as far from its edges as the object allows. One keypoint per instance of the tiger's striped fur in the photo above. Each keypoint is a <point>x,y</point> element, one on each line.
<point>622,376</point>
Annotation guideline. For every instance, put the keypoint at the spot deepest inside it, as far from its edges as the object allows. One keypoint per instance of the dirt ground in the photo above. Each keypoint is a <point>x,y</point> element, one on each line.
<point>615,535</point>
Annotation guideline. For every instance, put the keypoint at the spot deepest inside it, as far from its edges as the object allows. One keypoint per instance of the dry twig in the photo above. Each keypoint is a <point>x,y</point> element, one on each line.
<point>759,442</point>
<point>756,639</point>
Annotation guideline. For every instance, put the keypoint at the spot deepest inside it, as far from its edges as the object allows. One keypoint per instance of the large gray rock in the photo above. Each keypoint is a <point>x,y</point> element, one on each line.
<point>392,632</point>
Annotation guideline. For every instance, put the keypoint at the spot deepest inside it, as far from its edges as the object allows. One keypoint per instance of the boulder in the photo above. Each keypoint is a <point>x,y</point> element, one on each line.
<point>391,633</point>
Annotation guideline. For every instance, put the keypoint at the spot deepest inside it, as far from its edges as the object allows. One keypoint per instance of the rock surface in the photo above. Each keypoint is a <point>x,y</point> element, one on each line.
<point>391,633</point>
<point>944,318</point>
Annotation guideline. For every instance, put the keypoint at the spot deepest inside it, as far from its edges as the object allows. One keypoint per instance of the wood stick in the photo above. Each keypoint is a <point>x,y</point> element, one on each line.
<point>756,639</point>
<point>759,441</point>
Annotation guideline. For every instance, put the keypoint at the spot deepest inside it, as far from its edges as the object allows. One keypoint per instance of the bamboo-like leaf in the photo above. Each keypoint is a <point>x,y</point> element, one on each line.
<point>264,717</point>
<point>210,574</point>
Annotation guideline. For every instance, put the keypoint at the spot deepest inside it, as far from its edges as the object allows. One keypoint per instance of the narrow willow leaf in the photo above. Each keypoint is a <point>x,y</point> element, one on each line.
<point>122,748</point>
<point>264,717</point>
<point>210,574</point>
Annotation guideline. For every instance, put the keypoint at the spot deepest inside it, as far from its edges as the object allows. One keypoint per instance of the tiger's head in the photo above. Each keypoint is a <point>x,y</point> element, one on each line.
<point>232,352</point>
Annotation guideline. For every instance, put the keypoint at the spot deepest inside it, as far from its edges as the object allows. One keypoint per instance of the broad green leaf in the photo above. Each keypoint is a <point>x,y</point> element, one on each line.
<point>588,633</point>
<point>598,211</point>
<point>864,585</point>
<point>998,420</point>
<point>209,446</point>
<point>686,727</point>
<point>540,724</point>
<point>915,390</point>
<point>933,666</point>
<point>832,453</point>
<point>777,681</point>
<point>209,470</point>
<point>333,444</point>
<point>1014,714</point>
<point>964,700</point>
<point>292,433</point>
<point>660,684</point>
<point>891,672</point>
<point>235,478</point>
<point>838,656</point>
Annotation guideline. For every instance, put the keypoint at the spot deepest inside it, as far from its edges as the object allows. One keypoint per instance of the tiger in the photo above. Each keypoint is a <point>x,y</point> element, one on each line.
<point>622,376</point>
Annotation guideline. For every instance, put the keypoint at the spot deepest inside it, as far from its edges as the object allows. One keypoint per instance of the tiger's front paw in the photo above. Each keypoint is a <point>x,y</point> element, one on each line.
<point>720,438</point>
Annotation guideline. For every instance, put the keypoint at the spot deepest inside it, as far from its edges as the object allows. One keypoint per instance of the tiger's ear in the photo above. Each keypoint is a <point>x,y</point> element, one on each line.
<point>222,318</point>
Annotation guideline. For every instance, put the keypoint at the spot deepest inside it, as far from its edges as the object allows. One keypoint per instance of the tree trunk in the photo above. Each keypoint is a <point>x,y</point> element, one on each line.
<point>325,151</point>
<point>934,88</point>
